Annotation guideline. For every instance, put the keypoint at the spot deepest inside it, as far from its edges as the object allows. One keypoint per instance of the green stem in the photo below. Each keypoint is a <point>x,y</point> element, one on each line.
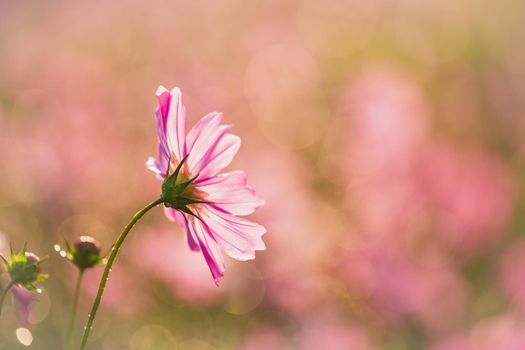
<point>4,294</point>
<point>74,310</point>
<point>114,251</point>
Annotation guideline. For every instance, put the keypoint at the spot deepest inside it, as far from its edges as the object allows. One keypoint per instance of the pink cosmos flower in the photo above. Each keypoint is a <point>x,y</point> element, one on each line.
<point>207,205</point>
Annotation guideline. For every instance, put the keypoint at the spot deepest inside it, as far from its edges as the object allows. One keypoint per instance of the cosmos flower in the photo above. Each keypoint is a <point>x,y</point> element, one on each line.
<point>208,205</point>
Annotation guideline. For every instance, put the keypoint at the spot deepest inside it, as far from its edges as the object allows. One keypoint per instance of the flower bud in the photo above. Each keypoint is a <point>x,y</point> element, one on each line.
<point>24,269</point>
<point>85,252</point>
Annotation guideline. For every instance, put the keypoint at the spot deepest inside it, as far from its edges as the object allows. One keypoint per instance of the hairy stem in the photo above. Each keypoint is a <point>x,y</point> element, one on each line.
<point>4,294</point>
<point>114,251</point>
<point>74,310</point>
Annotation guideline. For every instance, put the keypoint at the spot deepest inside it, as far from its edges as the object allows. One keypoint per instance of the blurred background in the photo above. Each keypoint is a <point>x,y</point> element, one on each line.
<point>386,137</point>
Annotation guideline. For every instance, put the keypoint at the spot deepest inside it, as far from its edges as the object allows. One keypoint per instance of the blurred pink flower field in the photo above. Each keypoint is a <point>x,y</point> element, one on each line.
<point>385,137</point>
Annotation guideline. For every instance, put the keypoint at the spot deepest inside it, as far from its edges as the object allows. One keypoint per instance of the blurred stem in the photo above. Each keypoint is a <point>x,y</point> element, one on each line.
<point>4,294</point>
<point>114,251</point>
<point>74,310</point>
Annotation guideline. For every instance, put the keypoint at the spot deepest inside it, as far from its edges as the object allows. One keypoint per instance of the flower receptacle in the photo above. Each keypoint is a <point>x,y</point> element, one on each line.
<point>177,192</point>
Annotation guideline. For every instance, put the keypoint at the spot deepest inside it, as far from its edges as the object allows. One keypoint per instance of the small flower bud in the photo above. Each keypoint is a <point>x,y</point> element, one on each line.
<point>24,269</point>
<point>85,252</point>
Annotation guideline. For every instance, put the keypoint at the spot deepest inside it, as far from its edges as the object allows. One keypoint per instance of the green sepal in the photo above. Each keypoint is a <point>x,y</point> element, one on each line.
<point>69,250</point>
<point>176,194</point>
<point>172,179</point>
<point>42,277</point>
<point>4,259</point>
<point>179,188</point>
<point>183,201</point>
<point>187,211</point>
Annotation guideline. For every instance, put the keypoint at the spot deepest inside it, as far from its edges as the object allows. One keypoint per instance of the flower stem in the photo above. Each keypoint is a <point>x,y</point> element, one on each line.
<point>4,294</point>
<point>74,310</point>
<point>114,251</point>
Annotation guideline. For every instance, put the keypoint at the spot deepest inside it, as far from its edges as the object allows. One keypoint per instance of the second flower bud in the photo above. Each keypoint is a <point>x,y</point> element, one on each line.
<point>85,252</point>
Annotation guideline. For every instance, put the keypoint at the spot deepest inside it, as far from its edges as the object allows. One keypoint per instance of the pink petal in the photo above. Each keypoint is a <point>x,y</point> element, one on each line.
<point>206,125</point>
<point>202,140</point>
<point>164,156</point>
<point>164,98</point>
<point>161,115</point>
<point>153,165</point>
<point>222,155</point>
<point>182,220</point>
<point>176,125</point>
<point>238,237</point>
<point>174,215</point>
<point>191,235</point>
<point>230,192</point>
<point>210,249</point>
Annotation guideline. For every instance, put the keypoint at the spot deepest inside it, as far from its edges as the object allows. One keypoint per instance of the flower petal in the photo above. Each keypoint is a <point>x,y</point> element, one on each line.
<point>238,237</point>
<point>174,215</point>
<point>191,236</point>
<point>222,155</point>
<point>164,98</point>
<point>230,192</point>
<point>202,139</point>
<point>183,221</point>
<point>161,115</point>
<point>210,249</point>
<point>176,125</point>
<point>153,165</point>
